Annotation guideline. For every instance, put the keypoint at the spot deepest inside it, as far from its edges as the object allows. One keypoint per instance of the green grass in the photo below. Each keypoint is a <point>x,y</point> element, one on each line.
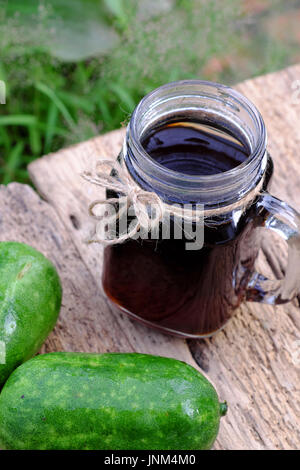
<point>72,73</point>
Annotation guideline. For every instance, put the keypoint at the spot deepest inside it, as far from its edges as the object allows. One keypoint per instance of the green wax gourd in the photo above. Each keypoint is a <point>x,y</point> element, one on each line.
<point>108,401</point>
<point>30,299</point>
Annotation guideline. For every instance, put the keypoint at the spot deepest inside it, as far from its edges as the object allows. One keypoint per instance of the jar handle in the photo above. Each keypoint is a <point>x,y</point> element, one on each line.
<point>278,216</point>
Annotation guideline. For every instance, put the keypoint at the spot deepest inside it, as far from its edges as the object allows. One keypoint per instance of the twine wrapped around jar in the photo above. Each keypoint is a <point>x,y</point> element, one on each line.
<point>121,182</point>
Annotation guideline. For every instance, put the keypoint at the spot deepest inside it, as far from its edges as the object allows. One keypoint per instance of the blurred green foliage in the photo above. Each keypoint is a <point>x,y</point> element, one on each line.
<point>76,68</point>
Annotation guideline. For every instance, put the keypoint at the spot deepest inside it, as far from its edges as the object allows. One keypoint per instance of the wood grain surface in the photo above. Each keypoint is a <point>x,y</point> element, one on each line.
<point>254,362</point>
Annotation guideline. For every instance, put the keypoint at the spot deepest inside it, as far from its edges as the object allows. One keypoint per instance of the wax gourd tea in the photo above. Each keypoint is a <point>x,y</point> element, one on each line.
<point>192,142</point>
<point>194,148</point>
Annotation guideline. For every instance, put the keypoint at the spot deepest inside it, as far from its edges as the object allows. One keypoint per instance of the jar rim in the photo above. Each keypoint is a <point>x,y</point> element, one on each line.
<point>196,89</point>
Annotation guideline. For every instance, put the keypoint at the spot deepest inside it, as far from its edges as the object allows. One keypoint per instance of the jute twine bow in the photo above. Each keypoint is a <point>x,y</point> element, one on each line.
<point>121,181</point>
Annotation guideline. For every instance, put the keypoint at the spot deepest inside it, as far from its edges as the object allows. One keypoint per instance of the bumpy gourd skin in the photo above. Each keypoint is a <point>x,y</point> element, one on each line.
<point>30,299</point>
<point>108,401</point>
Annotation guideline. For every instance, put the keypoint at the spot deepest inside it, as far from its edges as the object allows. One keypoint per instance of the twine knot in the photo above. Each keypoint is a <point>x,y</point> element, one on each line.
<point>115,176</point>
<point>112,175</point>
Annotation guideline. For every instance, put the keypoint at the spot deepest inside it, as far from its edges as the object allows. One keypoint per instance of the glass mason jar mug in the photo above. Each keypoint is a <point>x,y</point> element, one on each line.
<point>195,142</point>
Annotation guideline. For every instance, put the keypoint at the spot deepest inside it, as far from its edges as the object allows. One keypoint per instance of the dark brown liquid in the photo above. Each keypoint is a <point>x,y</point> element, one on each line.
<point>194,148</point>
<point>159,281</point>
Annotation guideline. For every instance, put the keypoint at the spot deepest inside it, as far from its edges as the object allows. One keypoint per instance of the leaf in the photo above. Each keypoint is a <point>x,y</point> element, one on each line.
<point>60,105</point>
<point>80,32</point>
<point>4,139</point>
<point>75,41</point>
<point>69,32</point>
<point>18,120</point>
<point>116,7</point>
<point>50,129</point>
<point>13,161</point>
<point>35,140</point>
<point>76,101</point>
<point>123,95</point>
